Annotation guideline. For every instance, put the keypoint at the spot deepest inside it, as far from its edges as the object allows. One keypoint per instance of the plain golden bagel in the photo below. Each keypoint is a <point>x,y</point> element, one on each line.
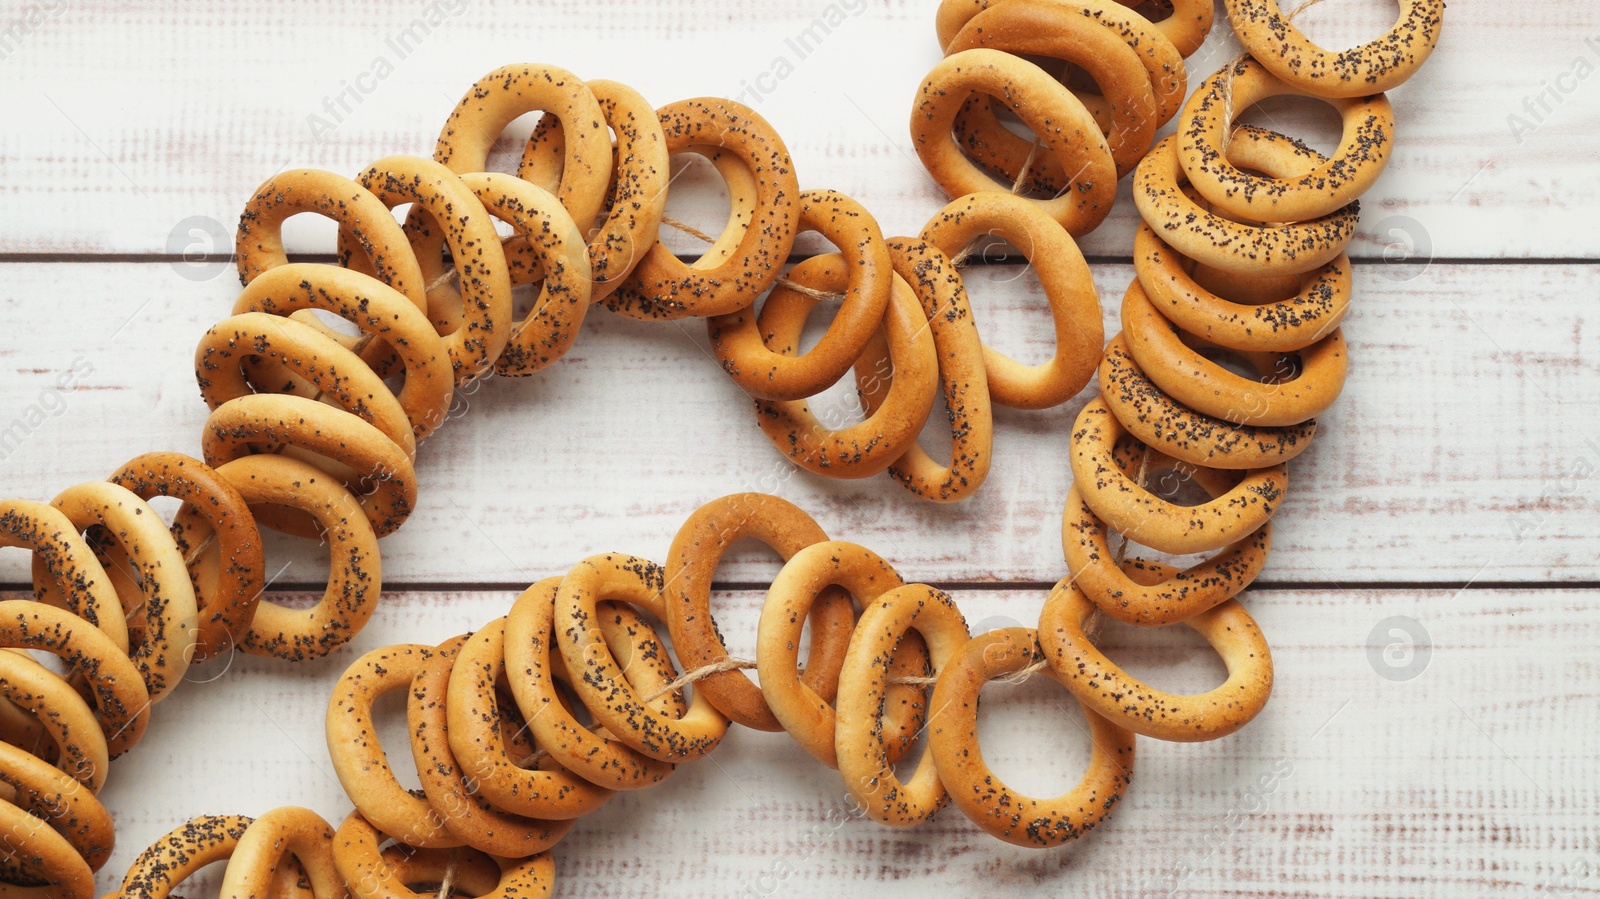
<point>1068,288</point>
<point>865,761</point>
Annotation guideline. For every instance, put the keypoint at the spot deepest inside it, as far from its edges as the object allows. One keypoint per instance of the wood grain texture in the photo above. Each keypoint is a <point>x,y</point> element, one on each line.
<point>1468,778</point>
<point>1430,601</point>
<point>139,121</point>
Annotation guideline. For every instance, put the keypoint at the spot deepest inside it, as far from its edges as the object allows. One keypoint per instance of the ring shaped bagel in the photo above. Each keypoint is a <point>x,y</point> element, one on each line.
<point>1221,243</point>
<point>550,240</point>
<point>117,692</point>
<point>864,761</point>
<point>1068,287</point>
<point>1092,566</point>
<point>1208,388</point>
<point>1164,424</point>
<point>61,716</point>
<point>1186,28</point>
<point>383,480</point>
<point>1064,127</point>
<point>1157,523</point>
<point>76,581</point>
<point>784,373</point>
<point>974,788</point>
<point>1107,50</point>
<point>236,344</point>
<point>472,720</point>
<point>364,223</point>
<point>181,853</point>
<point>61,801</point>
<point>448,786</point>
<point>358,756</point>
<point>1322,189</point>
<point>355,571</point>
<point>269,842</point>
<point>692,563</point>
<point>155,580</point>
<point>381,313</point>
<point>218,538</point>
<point>761,225</point>
<point>1378,65</point>
<point>1316,308</point>
<point>802,705</point>
<point>962,376</point>
<point>509,92</point>
<point>1129,703</point>
<point>533,669</point>
<point>366,229</point>
<point>626,227</point>
<point>648,727</point>
<point>39,854</point>
<point>869,446</point>
<point>477,335</point>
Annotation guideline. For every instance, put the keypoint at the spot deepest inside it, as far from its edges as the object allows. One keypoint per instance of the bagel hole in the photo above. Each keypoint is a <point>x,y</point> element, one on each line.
<point>699,198</point>
<point>1282,368</point>
<point>290,561</point>
<point>1013,123</point>
<point>841,404</point>
<point>505,154</point>
<point>817,323</point>
<point>309,229</point>
<point>525,300</point>
<point>1133,551</point>
<point>1173,659</point>
<point>736,607</point>
<point>573,704</point>
<point>1011,291</point>
<point>1311,121</point>
<point>1247,290</point>
<point>394,735</point>
<point>906,765</point>
<point>1033,734</point>
<point>165,506</point>
<point>333,323</point>
<point>1344,25</point>
<point>515,737</point>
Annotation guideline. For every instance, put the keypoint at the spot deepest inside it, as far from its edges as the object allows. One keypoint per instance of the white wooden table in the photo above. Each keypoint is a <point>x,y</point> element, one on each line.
<point>1430,601</point>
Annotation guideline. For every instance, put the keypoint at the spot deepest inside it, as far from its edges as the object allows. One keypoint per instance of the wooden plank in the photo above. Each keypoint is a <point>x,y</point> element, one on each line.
<point>138,127</point>
<point>1464,446</point>
<point>1457,766</point>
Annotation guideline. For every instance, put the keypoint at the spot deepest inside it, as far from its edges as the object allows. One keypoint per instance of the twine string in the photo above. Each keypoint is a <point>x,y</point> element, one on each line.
<point>447,883</point>
<point>1232,68</point>
<point>787,283</point>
